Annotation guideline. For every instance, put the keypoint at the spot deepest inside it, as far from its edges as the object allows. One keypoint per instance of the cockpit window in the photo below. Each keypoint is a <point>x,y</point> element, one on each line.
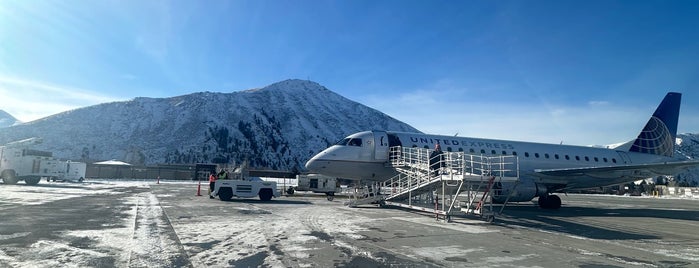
<point>350,142</point>
<point>343,142</point>
<point>355,142</point>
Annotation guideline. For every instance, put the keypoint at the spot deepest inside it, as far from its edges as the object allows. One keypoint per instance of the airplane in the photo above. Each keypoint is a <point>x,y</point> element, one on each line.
<point>544,168</point>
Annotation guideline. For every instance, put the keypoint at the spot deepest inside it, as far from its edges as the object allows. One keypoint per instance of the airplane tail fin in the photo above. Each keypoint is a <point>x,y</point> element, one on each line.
<point>658,136</point>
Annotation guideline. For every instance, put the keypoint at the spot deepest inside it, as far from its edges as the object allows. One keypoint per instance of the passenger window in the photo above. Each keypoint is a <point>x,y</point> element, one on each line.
<point>567,157</point>
<point>493,152</point>
<point>596,159</point>
<point>448,149</point>
<point>604,159</point>
<point>577,158</point>
<point>482,151</point>
<point>526,154</point>
<point>587,158</point>
<point>414,145</point>
<point>426,147</point>
<point>504,153</point>
<point>614,160</point>
<point>536,155</point>
<point>471,150</point>
<point>514,153</point>
<point>546,156</point>
<point>555,156</point>
<point>461,149</point>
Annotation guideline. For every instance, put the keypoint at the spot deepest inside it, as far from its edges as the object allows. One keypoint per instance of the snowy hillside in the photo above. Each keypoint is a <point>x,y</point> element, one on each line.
<point>279,126</point>
<point>7,120</point>
<point>687,146</point>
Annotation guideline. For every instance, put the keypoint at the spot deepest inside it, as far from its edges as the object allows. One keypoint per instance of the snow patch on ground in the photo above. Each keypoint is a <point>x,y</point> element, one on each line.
<point>473,228</point>
<point>289,234</point>
<point>441,253</point>
<point>15,235</point>
<point>25,195</point>
<point>139,241</point>
<point>500,261</point>
<point>690,254</point>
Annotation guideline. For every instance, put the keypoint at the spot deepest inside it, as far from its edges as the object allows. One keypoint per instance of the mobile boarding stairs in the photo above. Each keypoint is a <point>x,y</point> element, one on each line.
<point>456,183</point>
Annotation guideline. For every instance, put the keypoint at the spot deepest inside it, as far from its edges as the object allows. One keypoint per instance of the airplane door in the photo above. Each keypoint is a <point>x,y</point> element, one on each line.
<point>380,145</point>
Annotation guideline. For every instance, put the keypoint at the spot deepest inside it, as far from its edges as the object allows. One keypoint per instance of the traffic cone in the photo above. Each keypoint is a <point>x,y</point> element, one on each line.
<point>199,189</point>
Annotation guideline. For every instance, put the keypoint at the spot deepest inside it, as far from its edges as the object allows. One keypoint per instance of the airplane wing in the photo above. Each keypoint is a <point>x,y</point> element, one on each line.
<point>635,171</point>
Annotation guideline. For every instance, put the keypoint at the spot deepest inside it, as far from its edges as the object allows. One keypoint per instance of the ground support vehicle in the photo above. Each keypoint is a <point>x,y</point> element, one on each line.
<point>246,188</point>
<point>18,162</point>
<point>69,171</point>
<point>316,183</point>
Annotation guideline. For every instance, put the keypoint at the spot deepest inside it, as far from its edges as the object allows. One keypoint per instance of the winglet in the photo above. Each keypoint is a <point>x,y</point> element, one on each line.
<point>658,136</point>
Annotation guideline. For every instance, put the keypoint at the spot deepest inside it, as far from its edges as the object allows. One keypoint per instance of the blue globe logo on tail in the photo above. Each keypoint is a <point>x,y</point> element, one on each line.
<point>654,139</point>
<point>658,136</point>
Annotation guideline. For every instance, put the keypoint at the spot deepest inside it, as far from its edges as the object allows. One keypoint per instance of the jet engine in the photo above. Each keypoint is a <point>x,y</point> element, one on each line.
<point>523,191</point>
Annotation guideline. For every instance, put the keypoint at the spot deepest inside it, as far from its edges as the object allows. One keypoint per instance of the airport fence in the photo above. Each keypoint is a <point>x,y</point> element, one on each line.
<point>165,172</point>
<point>689,192</point>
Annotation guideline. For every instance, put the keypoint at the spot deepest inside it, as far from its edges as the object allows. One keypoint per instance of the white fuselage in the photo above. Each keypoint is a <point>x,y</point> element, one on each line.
<point>364,155</point>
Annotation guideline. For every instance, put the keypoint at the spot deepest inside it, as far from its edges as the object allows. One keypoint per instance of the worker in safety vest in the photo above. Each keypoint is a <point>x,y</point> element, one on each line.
<point>223,175</point>
<point>212,184</point>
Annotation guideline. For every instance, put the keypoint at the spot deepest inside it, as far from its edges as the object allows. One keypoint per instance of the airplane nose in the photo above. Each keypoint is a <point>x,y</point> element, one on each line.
<point>315,163</point>
<point>311,165</point>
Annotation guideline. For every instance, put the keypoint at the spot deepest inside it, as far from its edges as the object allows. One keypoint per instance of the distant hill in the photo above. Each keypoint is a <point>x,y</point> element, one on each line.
<point>687,146</point>
<point>279,126</point>
<point>7,120</point>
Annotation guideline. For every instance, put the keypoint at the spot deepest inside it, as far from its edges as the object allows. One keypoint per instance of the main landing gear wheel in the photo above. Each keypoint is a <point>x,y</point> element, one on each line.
<point>550,202</point>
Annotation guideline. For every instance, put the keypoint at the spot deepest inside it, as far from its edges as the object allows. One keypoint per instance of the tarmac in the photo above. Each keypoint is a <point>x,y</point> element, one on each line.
<point>144,224</point>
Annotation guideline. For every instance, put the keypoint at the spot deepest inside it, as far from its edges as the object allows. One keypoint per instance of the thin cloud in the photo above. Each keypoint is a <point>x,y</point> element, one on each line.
<point>28,100</point>
<point>598,103</point>
<point>588,123</point>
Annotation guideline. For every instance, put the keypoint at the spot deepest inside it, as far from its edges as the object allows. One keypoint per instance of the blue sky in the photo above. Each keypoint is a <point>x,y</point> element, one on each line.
<point>578,72</point>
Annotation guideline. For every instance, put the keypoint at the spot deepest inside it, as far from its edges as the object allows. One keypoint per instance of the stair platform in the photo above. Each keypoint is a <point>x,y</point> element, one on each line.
<point>448,175</point>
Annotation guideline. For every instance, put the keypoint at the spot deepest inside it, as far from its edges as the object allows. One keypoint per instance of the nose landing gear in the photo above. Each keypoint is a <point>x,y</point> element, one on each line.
<point>549,202</point>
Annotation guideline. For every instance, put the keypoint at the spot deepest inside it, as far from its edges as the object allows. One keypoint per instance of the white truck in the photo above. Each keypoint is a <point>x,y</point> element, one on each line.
<point>246,188</point>
<point>69,171</point>
<point>316,183</point>
<point>18,162</point>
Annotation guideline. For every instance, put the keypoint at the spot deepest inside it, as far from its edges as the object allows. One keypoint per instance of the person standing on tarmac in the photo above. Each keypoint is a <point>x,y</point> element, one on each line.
<point>212,185</point>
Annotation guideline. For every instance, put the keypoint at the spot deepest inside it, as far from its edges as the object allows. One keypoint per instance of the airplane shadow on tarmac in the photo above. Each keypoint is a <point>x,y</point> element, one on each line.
<point>568,220</point>
<point>280,202</point>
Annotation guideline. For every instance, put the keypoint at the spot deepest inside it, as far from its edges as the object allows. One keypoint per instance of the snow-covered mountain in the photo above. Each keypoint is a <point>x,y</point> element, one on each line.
<point>279,126</point>
<point>687,147</point>
<point>7,120</point>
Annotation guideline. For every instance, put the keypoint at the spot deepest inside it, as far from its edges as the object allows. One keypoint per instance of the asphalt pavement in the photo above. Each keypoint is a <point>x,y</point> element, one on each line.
<point>144,224</point>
